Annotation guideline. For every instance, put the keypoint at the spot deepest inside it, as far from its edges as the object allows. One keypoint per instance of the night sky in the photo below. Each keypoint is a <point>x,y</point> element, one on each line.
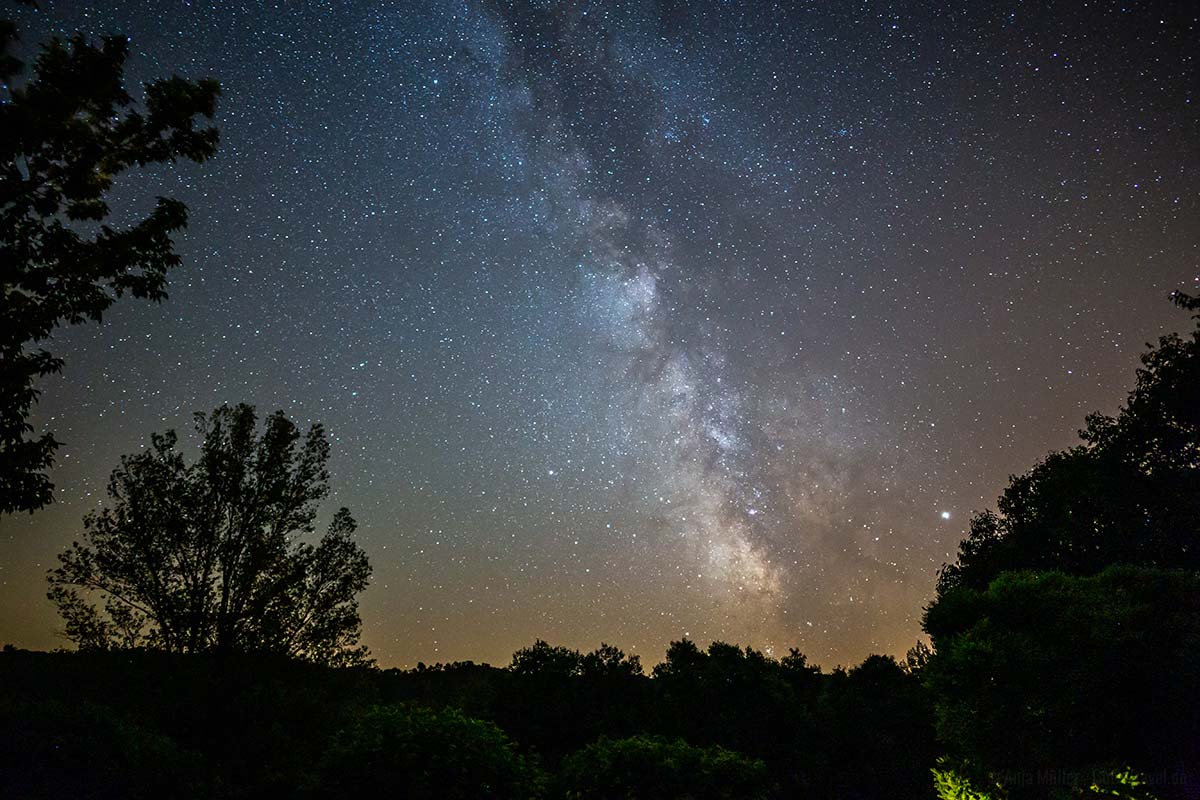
<point>633,322</point>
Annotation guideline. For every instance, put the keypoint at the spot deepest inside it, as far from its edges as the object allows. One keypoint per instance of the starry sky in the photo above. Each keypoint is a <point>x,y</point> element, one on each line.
<point>635,321</point>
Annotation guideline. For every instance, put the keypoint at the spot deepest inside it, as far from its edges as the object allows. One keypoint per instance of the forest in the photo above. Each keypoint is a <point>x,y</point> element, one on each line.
<point>216,651</point>
<point>1061,662</point>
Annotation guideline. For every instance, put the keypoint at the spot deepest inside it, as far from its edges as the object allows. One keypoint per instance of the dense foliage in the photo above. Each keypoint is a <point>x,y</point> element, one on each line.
<point>1068,629</point>
<point>243,726</point>
<point>210,556</point>
<point>1130,494</point>
<point>66,132</point>
<point>1044,671</point>
<point>653,766</point>
<point>425,754</point>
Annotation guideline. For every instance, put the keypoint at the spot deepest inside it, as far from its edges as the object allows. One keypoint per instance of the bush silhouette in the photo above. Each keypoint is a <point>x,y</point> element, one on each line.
<point>657,768</point>
<point>420,753</point>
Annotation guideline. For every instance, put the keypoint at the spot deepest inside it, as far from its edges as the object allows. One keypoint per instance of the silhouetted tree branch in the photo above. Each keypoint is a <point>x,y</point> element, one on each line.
<point>65,134</point>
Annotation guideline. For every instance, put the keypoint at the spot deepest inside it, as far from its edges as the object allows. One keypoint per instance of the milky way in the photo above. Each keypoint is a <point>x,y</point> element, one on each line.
<point>639,321</point>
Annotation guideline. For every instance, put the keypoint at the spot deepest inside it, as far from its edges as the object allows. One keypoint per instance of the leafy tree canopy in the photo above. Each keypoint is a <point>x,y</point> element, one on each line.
<point>1065,632</point>
<point>210,556</point>
<point>1129,494</point>
<point>660,768</point>
<point>1045,671</point>
<point>421,753</point>
<point>86,750</point>
<point>554,661</point>
<point>66,133</point>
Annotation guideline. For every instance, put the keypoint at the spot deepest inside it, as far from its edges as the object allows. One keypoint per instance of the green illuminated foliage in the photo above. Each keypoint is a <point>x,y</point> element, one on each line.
<point>952,785</point>
<point>1124,784</point>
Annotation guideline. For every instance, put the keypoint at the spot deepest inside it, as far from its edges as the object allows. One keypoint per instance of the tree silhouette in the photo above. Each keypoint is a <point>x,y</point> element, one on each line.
<point>1129,494</point>
<point>1065,633</point>
<point>261,725</point>
<point>543,660</point>
<point>58,749</point>
<point>1083,675</point>
<point>878,723</point>
<point>200,557</point>
<point>423,754</point>
<point>558,699</point>
<point>656,767</point>
<point>64,136</point>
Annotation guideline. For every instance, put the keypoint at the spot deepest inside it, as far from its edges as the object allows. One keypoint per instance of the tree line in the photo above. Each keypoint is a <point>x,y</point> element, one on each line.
<point>720,722</point>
